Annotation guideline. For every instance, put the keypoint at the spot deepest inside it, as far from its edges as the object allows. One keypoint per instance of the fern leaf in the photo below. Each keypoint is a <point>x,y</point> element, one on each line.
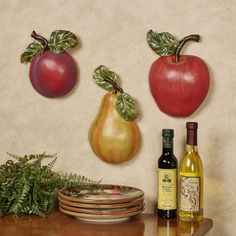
<point>51,164</point>
<point>14,156</point>
<point>28,186</point>
<point>18,204</point>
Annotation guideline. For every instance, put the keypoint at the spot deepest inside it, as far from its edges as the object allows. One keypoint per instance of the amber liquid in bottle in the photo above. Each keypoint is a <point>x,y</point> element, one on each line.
<point>191,179</point>
<point>167,178</point>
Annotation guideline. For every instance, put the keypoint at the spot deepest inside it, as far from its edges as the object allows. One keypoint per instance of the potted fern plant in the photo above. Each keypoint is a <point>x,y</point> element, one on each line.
<point>28,186</point>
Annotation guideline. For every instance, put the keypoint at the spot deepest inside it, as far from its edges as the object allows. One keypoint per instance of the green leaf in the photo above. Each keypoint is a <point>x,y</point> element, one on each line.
<point>125,106</point>
<point>28,186</point>
<point>164,44</point>
<point>60,40</point>
<point>32,50</point>
<point>100,74</point>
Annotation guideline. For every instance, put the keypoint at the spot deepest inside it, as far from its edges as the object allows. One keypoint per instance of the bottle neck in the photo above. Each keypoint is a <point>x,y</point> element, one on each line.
<point>191,143</point>
<point>191,148</point>
<point>167,145</point>
<point>192,137</point>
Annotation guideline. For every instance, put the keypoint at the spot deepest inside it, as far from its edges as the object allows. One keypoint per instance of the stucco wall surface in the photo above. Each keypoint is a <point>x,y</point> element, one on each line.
<point>113,33</point>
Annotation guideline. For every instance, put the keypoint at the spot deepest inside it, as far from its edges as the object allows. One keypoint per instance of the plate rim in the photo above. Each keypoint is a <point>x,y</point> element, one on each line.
<point>103,200</point>
<point>100,212</point>
<point>100,206</point>
<point>105,221</point>
<point>91,216</point>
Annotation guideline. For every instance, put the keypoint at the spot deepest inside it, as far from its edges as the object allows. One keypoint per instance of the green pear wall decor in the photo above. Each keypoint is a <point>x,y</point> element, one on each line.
<point>114,135</point>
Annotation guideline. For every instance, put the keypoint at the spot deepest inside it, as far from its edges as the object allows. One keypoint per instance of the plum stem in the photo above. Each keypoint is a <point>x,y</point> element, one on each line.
<point>41,39</point>
<point>182,42</point>
<point>116,87</point>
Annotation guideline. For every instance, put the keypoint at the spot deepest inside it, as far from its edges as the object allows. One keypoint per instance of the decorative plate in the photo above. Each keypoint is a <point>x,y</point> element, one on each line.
<point>135,202</point>
<point>102,193</point>
<point>101,218</point>
<point>102,211</point>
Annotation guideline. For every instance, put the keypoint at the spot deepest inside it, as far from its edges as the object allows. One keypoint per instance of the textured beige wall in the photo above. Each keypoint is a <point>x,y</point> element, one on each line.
<point>113,33</point>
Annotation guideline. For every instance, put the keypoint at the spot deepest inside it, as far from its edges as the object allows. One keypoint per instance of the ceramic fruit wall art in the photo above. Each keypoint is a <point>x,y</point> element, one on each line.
<point>53,72</point>
<point>178,83</point>
<point>114,135</point>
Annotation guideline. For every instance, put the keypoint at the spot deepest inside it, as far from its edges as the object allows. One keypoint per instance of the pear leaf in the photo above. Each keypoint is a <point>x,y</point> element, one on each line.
<point>125,106</point>
<point>60,40</point>
<point>33,49</point>
<point>100,76</point>
<point>164,44</point>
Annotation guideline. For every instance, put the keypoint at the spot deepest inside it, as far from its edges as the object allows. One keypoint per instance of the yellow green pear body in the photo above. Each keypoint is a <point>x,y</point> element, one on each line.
<point>112,138</point>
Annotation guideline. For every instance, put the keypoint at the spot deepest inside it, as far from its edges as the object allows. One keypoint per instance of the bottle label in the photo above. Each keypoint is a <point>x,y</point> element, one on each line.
<point>167,189</point>
<point>189,193</point>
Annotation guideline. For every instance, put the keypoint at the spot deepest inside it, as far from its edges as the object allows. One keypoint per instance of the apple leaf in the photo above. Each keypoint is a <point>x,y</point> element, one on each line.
<point>125,106</point>
<point>100,76</point>
<point>60,40</point>
<point>32,50</point>
<point>164,44</point>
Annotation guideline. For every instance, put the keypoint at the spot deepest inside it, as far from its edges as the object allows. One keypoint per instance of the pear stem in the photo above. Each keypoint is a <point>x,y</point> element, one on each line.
<point>116,87</point>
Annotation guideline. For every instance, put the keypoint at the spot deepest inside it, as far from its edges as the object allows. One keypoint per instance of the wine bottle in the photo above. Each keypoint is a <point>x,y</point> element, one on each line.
<point>191,179</point>
<point>167,178</point>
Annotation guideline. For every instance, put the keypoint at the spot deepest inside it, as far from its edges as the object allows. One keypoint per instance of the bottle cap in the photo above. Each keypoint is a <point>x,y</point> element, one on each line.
<point>168,133</point>
<point>191,125</point>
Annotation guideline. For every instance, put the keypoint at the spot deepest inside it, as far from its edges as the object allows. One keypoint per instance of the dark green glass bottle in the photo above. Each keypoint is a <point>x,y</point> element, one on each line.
<point>167,178</point>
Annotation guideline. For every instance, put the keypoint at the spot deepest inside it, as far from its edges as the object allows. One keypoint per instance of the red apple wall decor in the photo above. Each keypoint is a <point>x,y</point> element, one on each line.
<point>53,72</point>
<point>178,83</point>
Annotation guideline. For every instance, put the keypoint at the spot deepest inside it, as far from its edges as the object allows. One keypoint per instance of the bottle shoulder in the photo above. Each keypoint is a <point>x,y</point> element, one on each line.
<point>167,161</point>
<point>167,156</point>
<point>191,162</point>
<point>192,156</point>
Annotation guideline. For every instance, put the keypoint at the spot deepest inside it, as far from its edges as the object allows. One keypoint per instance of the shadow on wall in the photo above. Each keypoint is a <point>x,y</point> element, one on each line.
<point>213,188</point>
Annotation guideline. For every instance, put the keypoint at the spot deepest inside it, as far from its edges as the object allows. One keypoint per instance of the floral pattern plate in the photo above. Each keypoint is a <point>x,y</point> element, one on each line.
<point>101,218</point>
<point>135,202</point>
<point>102,211</point>
<point>102,194</point>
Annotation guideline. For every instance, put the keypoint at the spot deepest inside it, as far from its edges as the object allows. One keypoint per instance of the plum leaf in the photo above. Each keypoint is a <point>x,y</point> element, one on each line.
<point>164,44</point>
<point>33,49</point>
<point>60,40</point>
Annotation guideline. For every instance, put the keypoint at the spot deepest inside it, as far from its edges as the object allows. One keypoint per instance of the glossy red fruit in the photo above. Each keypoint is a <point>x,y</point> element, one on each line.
<point>53,75</point>
<point>53,72</point>
<point>179,88</point>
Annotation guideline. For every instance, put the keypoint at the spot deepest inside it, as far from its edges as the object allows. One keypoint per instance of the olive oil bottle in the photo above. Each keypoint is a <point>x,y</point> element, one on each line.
<point>191,179</point>
<point>167,178</point>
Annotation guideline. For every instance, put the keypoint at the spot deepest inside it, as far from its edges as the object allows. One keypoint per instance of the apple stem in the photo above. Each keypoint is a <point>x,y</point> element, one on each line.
<point>116,87</point>
<point>42,40</point>
<point>182,42</point>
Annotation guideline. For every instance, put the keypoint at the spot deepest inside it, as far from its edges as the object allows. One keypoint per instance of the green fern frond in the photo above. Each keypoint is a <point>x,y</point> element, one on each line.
<point>51,164</point>
<point>20,200</point>
<point>14,156</point>
<point>27,186</point>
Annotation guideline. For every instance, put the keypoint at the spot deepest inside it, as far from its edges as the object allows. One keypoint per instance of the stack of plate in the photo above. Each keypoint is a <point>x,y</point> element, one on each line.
<point>105,203</point>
